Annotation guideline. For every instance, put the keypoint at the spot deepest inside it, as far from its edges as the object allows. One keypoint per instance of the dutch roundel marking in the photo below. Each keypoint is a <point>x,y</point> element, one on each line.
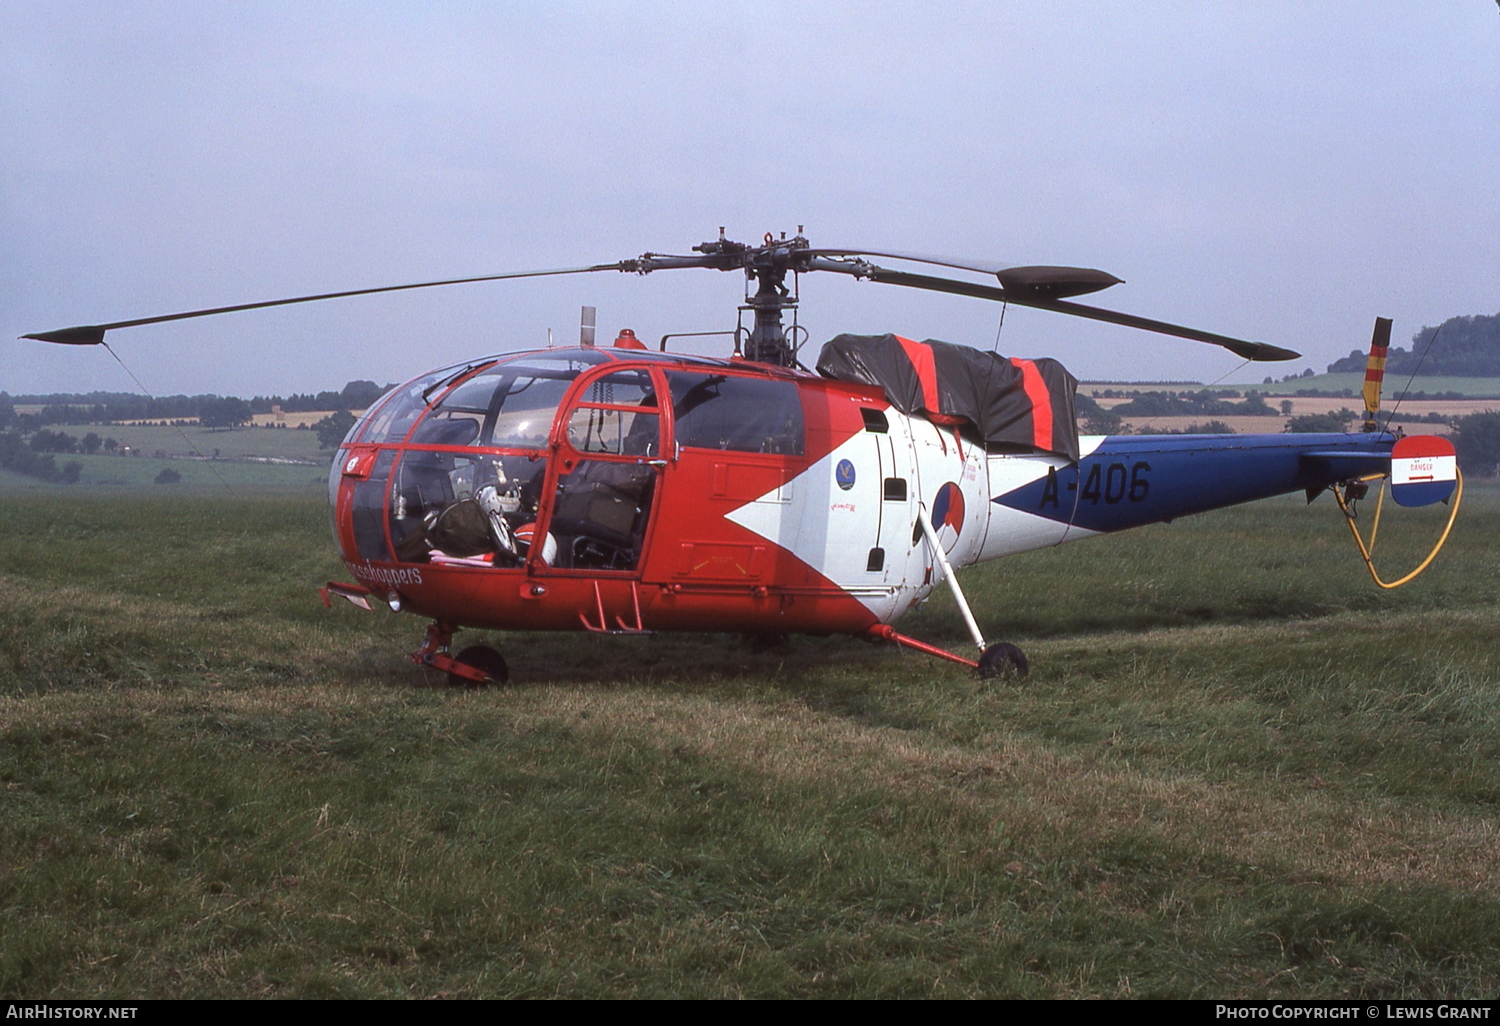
<point>948,509</point>
<point>844,474</point>
<point>1423,470</point>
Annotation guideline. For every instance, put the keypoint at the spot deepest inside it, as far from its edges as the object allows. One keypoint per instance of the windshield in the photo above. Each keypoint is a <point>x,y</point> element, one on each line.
<point>390,419</point>
<point>508,405</point>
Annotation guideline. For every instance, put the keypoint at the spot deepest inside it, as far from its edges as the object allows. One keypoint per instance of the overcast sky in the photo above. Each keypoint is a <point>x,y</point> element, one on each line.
<point>1282,171</point>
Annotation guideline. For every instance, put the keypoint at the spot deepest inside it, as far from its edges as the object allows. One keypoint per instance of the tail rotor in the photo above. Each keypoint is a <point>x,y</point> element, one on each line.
<point>1380,342</point>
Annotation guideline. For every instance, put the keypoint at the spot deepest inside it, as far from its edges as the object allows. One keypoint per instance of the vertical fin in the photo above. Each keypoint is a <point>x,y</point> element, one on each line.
<point>1380,341</point>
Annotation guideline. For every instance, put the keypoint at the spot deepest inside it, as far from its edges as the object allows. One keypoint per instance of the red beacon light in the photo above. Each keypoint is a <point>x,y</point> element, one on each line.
<point>627,340</point>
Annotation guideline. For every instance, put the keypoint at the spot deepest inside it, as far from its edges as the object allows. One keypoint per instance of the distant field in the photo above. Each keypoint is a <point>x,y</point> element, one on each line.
<point>293,420</point>
<point>1302,405</point>
<point>281,443</point>
<point>1275,425</point>
<point>1474,388</point>
<point>1237,770</point>
<point>1255,425</point>
<point>1240,425</point>
<point>112,474</point>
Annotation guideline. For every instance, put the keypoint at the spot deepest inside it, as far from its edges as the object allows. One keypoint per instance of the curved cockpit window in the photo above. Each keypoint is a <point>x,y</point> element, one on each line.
<point>390,420</point>
<point>510,402</point>
<point>507,405</point>
<point>723,411</point>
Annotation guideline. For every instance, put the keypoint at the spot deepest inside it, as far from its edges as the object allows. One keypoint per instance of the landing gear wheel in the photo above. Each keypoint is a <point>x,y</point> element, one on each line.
<point>484,659</point>
<point>1003,660</point>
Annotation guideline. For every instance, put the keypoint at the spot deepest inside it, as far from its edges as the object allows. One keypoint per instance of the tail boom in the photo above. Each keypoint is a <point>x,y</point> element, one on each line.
<point>1131,480</point>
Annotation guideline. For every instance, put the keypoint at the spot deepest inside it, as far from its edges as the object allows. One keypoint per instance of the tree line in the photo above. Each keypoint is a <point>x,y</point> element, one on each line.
<point>1465,347</point>
<point>19,458</point>
<point>208,409</point>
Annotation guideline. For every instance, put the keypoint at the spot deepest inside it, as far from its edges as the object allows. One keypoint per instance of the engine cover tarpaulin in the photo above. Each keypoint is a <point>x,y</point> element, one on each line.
<point>1011,402</point>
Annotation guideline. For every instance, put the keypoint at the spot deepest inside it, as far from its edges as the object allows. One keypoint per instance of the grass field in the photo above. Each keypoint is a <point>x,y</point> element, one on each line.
<point>1238,769</point>
<point>104,476</point>
<point>253,460</point>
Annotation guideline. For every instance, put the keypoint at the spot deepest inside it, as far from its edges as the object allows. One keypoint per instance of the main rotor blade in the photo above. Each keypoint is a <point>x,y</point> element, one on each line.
<point>1256,351</point>
<point>1041,282</point>
<point>959,264</point>
<point>93,334</point>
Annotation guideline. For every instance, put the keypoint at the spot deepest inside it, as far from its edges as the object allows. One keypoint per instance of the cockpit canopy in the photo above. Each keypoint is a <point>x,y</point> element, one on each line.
<point>455,466</point>
<point>509,403</point>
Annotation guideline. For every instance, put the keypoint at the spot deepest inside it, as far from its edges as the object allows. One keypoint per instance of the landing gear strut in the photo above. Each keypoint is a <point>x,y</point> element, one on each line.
<point>998,660</point>
<point>474,667</point>
<point>486,660</point>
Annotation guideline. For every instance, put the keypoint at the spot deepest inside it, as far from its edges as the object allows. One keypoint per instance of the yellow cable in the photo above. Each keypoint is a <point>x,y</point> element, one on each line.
<point>1366,552</point>
<point>1379,505</point>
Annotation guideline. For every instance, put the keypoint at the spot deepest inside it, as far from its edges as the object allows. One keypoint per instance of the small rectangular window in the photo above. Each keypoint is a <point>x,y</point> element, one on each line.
<point>895,489</point>
<point>875,421</point>
<point>876,561</point>
<point>742,414</point>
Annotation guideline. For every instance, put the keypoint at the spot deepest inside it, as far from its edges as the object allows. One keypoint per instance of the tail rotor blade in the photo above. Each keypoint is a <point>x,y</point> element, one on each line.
<point>1380,343</point>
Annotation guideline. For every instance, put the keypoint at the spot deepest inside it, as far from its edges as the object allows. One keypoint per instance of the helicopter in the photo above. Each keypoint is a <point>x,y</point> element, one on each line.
<point>623,490</point>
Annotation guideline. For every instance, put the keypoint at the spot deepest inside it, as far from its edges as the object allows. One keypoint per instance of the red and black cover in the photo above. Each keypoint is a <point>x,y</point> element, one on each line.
<point>1026,404</point>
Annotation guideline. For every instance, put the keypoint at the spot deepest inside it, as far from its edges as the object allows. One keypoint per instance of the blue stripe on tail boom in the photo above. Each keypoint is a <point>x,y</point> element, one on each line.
<point>1131,480</point>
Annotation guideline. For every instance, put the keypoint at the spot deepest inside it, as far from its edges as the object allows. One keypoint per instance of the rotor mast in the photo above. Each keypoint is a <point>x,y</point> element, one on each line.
<point>767,266</point>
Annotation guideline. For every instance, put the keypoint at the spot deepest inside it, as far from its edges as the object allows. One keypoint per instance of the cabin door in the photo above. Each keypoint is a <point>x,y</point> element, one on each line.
<point>608,469</point>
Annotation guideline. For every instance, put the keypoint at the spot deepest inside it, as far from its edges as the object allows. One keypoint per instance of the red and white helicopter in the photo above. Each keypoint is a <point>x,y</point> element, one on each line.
<point>623,490</point>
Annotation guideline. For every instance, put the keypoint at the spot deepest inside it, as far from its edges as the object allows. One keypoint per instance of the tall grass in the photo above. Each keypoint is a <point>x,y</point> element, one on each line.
<point>1237,770</point>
